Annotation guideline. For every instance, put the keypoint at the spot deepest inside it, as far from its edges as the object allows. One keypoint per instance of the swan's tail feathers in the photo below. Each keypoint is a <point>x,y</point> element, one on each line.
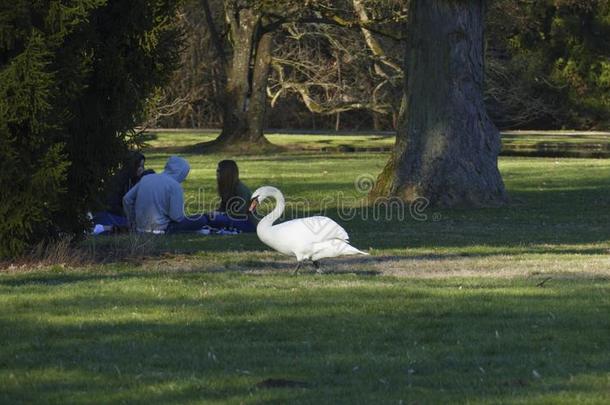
<point>347,249</point>
<point>354,251</point>
<point>360,252</point>
<point>334,248</point>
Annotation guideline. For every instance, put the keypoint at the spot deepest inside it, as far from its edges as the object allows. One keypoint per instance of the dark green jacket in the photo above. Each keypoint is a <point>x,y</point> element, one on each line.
<point>238,207</point>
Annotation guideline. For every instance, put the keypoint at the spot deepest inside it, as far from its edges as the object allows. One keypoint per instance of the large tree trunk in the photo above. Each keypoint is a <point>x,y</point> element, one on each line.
<point>258,98</point>
<point>446,146</point>
<point>247,75</point>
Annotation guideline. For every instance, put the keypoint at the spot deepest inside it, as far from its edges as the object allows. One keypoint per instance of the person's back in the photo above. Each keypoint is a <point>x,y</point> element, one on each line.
<point>158,199</point>
<point>239,210</point>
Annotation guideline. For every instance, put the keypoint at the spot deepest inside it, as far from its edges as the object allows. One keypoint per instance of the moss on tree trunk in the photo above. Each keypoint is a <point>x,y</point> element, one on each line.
<point>446,147</point>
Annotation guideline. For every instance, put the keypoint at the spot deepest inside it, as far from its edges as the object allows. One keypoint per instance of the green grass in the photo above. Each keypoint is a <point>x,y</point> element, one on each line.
<point>447,309</point>
<point>175,141</point>
<point>514,143</point>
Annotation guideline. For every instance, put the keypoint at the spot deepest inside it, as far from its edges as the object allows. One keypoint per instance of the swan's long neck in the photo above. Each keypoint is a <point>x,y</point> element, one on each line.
<point>274,215</point>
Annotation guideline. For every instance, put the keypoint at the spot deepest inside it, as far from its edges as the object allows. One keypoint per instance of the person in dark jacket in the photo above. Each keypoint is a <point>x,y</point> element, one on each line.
<point>130,173</point>
<point>123,181</point>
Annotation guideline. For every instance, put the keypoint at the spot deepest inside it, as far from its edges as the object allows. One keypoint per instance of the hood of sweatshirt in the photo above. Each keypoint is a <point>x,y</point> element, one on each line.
<point>177,168</point>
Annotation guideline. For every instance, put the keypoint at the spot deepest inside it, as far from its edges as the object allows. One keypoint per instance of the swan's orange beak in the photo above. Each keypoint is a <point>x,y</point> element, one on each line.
<point>253,204</point>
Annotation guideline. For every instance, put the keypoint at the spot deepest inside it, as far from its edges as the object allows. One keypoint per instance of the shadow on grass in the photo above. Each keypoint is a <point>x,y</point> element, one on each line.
<point>540,226</point>
<point>562,218</point>
<point>417,341</point>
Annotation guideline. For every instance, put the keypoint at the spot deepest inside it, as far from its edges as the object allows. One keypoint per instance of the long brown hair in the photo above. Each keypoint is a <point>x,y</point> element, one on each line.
<point>227,176</point>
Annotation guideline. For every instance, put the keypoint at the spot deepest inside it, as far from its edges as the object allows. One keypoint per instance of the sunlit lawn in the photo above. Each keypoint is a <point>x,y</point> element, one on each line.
<point>506,305</point>
<point>519,143</point>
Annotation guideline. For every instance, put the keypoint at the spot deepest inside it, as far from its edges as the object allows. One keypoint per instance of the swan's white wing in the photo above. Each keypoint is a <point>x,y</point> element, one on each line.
<point>324,228</point>
<point>298,237</point>
<point>291,238</point>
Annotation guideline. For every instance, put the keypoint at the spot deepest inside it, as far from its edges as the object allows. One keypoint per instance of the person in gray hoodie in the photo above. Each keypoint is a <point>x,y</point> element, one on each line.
<point>156,203</point>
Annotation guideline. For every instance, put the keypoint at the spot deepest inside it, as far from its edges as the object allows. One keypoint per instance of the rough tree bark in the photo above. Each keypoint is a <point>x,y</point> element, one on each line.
<point>247,72</point>
<point>258,97</point>
<point>446,146</point>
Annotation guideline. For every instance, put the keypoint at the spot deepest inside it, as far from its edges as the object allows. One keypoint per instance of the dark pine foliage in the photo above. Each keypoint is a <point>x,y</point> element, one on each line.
<point>74,79</point>
<point>552,62</point>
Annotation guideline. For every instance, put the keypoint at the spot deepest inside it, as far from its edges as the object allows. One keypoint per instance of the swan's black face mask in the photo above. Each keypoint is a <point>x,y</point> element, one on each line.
<point>253,204</point>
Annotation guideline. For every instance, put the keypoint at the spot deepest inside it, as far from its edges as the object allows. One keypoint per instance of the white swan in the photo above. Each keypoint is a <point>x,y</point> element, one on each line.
<point>311,238</point>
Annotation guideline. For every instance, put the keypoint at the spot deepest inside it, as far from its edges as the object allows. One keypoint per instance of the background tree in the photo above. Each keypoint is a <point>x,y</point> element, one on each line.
<point>546,67</point>
<point>319,66</point>
<point>240,33</point>
<point>193,98</point>
<point>73,83</point>
<point>549,64</point>
<point>447,147</point>
<point>334,68</point>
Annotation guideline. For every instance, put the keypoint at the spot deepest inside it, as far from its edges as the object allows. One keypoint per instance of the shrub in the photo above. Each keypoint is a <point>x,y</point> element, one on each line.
<point>74,78</point>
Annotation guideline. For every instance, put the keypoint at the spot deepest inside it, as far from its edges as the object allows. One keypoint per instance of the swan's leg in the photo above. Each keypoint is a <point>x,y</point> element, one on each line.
<point>316,264</point>
<point>296,269</point>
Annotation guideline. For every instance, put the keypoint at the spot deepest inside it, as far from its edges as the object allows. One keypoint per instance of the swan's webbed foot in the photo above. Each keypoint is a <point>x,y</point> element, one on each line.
<point>296,269</point>
<point>316,264</point>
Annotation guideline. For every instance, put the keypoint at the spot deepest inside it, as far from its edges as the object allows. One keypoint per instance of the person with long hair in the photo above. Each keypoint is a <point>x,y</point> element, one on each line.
<point>235,198</point>
<point>112,217</point>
